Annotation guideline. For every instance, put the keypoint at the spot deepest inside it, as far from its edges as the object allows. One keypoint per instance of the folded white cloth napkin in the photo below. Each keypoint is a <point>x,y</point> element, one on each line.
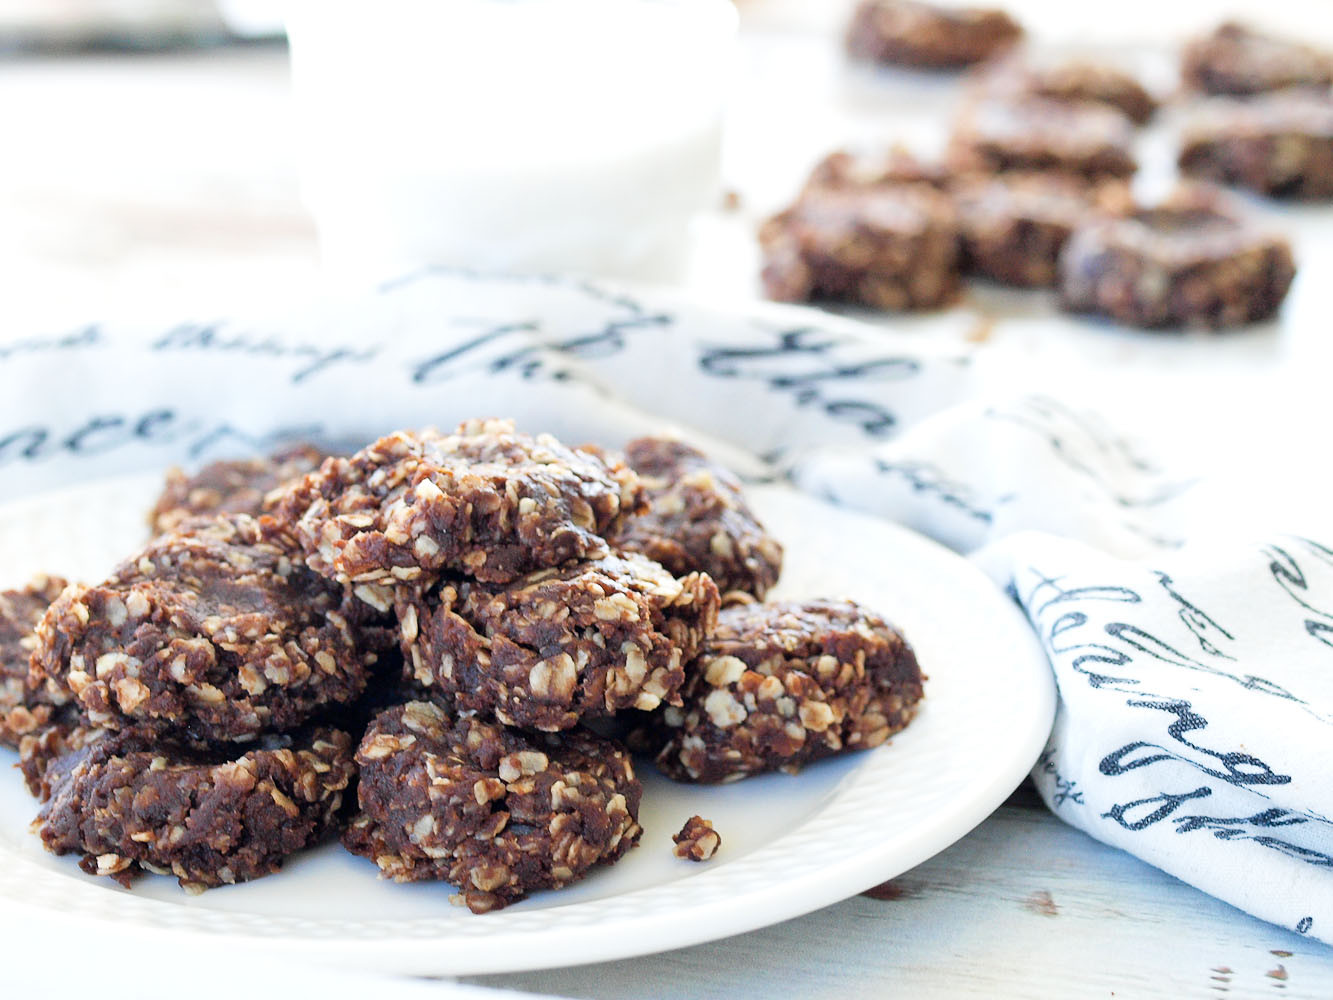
<point>1194,664</point>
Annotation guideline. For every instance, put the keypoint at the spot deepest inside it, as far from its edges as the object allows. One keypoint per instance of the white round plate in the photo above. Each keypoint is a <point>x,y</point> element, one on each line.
<point>790,844</point>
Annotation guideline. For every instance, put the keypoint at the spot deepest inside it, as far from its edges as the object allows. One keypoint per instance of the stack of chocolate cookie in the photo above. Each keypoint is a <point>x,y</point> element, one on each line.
<point>199,712</point>
<point>185,705</point>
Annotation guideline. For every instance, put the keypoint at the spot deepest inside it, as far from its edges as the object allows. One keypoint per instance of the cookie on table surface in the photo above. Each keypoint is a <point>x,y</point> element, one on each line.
<point>1068,79</point>
<point>210,816</point>
<point>994,135</point>
<point>1236,59</point>
<point>1187,262</point>
<point>24,708</point>
<point>214,631</point>
<point>889,246</point>
<point>485,500</point>
<point>234,486</point>
<point>1277,144</point>
<point>845,168</point>
<point>928,36</point>
<point>586,639</point>
<point>698,520</point>
<point>779,685</point>
<point>1014,225</point>
<point>497,812</point>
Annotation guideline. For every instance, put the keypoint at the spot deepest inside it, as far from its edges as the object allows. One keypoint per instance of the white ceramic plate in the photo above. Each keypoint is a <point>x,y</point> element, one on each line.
<point>790,844</point>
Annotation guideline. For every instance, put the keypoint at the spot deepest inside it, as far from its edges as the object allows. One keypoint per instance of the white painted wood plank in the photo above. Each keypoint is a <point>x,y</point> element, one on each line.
<point>1022,907</point>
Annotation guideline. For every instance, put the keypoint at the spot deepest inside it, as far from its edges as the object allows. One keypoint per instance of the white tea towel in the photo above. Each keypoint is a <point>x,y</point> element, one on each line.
<point>1195,666</point>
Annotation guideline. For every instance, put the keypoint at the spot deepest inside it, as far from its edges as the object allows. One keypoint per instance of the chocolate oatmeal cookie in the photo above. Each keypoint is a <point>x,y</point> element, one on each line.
<point>1188,262</point>
<point>845,168</point>
<point>889,246</point>
<point>486,501</point>
<point>910,33</point>
<point>1035,133</point>
<point>1277,144</point>
<point>587,639</point>
<point>496,812</point>
<point>1069,80</point>
<point>209,816</point>
<point>24,708</point>
<point>62,732</point>
<point>1015,225</point>
<point>242,486</point>
<point>1236,59</point>
<point>698,520</point>
<point>779,685</point>
<point>213,631</point>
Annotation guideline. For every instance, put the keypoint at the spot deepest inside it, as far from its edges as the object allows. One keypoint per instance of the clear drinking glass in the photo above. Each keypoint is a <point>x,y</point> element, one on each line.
<point>526,135</point>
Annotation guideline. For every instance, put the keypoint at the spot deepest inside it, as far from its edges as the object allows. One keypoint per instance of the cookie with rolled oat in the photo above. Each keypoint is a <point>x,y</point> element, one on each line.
<point>234,486</point>
<point>486,501</point>
<point>496,812</point>
<point>1015,225</point>
<point>779,685</point>
<point>888,246</point>
<point>210,816</point>
<point>24,708</point>
<point>1062,78</point>
<point>1279,144</point>
<point>1035,133</point>
<point>1236,59</point>
<point>928,36</point>
<point>583,640</point>
<point>698,520</point>
<point>63,732</point>
<point>864,168</point>
<point>213,631</point>
<point>1189,262</point>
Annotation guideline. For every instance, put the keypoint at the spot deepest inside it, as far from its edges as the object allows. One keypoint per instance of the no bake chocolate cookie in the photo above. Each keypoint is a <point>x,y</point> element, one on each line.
<point>909,33</point>
<point>24,708</point>
<point>1066,79</point>
<point>1277,144</point>
<point>485,501</point>
<point>778,685</point>
<point>846,168</point>
<point>209,816</point>
<point>214,631</point>
<point>995,135</point>
<point>889,246</point>
<point>239,486</point>
<point>496,812</point>
<point>1015,225</point>
<point>1188,262</point>
<point>587,639</point>
<point>698,520</point>
<point>1236,59</point>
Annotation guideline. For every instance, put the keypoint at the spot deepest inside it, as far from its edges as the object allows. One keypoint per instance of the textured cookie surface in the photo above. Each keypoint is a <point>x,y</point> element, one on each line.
<point>485,501</point>
<point>494,811</point>
<point>698,520</point>
<point>210,816</point>
<point>213,632</point>
<point>782,684</point>
<point>559,645</point>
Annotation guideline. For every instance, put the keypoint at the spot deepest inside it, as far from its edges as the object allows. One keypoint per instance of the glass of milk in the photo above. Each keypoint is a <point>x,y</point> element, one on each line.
<point>522,135</point>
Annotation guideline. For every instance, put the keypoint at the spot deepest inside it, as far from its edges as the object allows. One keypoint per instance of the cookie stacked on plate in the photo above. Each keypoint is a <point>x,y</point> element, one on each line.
<point>193,692</point>
<point>534,591</point>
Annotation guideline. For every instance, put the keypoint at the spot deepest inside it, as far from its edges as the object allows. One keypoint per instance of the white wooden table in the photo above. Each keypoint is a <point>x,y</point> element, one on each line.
<point>166,182</point>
